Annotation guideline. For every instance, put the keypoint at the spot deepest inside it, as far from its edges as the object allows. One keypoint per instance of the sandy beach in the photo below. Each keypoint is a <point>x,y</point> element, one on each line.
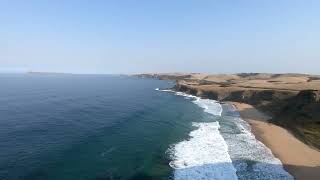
<point>300,160</point>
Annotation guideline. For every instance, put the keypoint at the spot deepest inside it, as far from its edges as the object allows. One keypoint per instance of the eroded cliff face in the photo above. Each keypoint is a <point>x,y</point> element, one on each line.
<point>301,115</point>
<point>238,94</point>
<point>291,99</point>
<point>298,111</point>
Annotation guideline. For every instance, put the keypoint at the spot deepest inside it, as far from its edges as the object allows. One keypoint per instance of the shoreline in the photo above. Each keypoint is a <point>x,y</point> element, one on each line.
<point>300,160</point>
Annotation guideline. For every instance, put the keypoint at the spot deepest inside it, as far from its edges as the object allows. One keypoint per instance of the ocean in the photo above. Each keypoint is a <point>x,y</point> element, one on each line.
<point>113,127</point>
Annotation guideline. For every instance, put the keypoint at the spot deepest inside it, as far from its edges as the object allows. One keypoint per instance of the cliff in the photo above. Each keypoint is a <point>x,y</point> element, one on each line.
<point>292,100</point>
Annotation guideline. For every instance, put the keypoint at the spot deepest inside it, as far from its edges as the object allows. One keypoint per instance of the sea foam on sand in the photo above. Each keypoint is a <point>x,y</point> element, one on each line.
<point>244,148</point>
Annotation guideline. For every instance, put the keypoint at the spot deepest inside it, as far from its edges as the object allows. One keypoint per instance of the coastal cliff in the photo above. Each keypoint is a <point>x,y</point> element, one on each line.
<point>292,100</point>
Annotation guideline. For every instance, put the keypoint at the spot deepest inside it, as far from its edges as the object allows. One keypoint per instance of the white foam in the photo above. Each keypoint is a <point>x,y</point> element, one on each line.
<point>208,153</point>
<point>164,90</point>
<point>244,146</point>
<point>204,156</point>
<point>209,106</point>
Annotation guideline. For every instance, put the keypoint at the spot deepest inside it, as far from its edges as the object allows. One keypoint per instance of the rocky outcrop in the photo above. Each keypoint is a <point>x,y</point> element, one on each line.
<point>245,95</point>
<point>173,76</point>
<point>298,111</point>
<point>301,115</point>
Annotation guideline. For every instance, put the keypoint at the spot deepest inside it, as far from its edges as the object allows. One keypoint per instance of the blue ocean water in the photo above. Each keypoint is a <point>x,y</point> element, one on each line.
<point>90,127</point>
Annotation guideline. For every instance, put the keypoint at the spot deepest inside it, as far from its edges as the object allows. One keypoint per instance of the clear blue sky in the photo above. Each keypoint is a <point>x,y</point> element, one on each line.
<point>160,36</point>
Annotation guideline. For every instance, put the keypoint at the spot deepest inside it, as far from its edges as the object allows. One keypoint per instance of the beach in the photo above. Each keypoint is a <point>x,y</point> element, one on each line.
<point>222,147</point>
<point>293,99</point>
<point>300,160</point>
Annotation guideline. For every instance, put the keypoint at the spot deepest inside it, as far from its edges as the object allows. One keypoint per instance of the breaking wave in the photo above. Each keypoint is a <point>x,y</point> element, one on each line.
<point>229,152</point>
<point>203,156</point>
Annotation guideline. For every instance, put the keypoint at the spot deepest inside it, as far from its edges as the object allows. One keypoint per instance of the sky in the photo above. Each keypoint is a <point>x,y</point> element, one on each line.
<point>141,36</point>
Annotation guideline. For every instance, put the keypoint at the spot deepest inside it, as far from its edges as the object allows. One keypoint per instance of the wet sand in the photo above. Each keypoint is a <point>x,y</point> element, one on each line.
<point>300,160</point>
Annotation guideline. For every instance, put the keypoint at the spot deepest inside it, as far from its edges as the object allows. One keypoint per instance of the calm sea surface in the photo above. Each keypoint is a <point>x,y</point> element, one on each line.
<point>74,127</point>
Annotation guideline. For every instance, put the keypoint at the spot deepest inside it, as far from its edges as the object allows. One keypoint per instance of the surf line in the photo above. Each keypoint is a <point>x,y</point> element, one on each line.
<point>205,154</point>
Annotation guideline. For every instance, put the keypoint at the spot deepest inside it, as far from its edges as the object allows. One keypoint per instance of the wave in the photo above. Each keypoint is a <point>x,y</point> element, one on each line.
<point>209,106</point>
<point>244,149</point>
<point>223,153</point>
<point>203,156</point>
<point>164,90</point>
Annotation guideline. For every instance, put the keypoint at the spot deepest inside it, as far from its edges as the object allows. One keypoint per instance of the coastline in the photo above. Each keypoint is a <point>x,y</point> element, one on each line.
<point>300,160</point>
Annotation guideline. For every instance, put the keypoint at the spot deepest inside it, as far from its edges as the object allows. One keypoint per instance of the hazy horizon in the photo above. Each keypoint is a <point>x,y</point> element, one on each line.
<point>141,73</point>
<point>112,37</point>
